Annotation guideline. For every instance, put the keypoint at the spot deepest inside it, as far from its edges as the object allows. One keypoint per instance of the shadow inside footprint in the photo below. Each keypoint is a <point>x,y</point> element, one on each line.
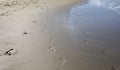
<point>52,49</point>
<point>25,33</point>
<point>104,53</point>
<point>115,68</point>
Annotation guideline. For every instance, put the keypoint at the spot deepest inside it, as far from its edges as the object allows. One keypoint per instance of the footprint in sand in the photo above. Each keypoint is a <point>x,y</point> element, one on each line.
<point>10,52</point>
<point>86,41</point>
<point>43,31</point>
<point>5,14</point>
<point>83,33</point>
<point>61,61</point>
<point>50,38</point>
<point>104,53</point>
<point>44,28</point>
<point>115,68</point>
<point>52,49</point>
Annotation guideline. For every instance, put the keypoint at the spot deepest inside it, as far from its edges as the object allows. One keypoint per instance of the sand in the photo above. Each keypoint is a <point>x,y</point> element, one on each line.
<point>34,36</point>
<point>25,43</point>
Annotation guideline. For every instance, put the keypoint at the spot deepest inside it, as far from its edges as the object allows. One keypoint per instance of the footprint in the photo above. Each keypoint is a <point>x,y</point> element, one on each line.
<point>115,68</point>
<point>85,41</point>
<point>10,52</point>
<point>52,49</point>
<point>50,38</point>
<point>43,31</point>
<point>84,33</point>
<point>62,61</point>
<point>104,53</point>
<point>4,14</point>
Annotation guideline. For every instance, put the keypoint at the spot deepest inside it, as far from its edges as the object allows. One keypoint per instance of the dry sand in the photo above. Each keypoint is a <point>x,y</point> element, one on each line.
<point>33,37</point>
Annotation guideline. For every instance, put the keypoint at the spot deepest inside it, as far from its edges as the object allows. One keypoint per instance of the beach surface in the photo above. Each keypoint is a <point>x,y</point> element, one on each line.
<point>40,35</point>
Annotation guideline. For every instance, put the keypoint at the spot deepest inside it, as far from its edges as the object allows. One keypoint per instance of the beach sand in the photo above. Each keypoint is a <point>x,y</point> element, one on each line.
<point>33,36</point>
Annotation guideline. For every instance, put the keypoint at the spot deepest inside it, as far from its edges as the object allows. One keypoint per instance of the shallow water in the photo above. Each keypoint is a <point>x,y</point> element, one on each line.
<point>96,20</point>
<point>109,4</point>
<point>89,36</point>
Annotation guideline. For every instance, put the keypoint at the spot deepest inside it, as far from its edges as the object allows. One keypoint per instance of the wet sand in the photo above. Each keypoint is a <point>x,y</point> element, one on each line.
<point>58,35</point>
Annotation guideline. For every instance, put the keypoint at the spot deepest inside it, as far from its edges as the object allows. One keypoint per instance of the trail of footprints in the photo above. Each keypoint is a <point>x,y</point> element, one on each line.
<point>52,48</point>
<point>102,52</point>
<point>61,61</point>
